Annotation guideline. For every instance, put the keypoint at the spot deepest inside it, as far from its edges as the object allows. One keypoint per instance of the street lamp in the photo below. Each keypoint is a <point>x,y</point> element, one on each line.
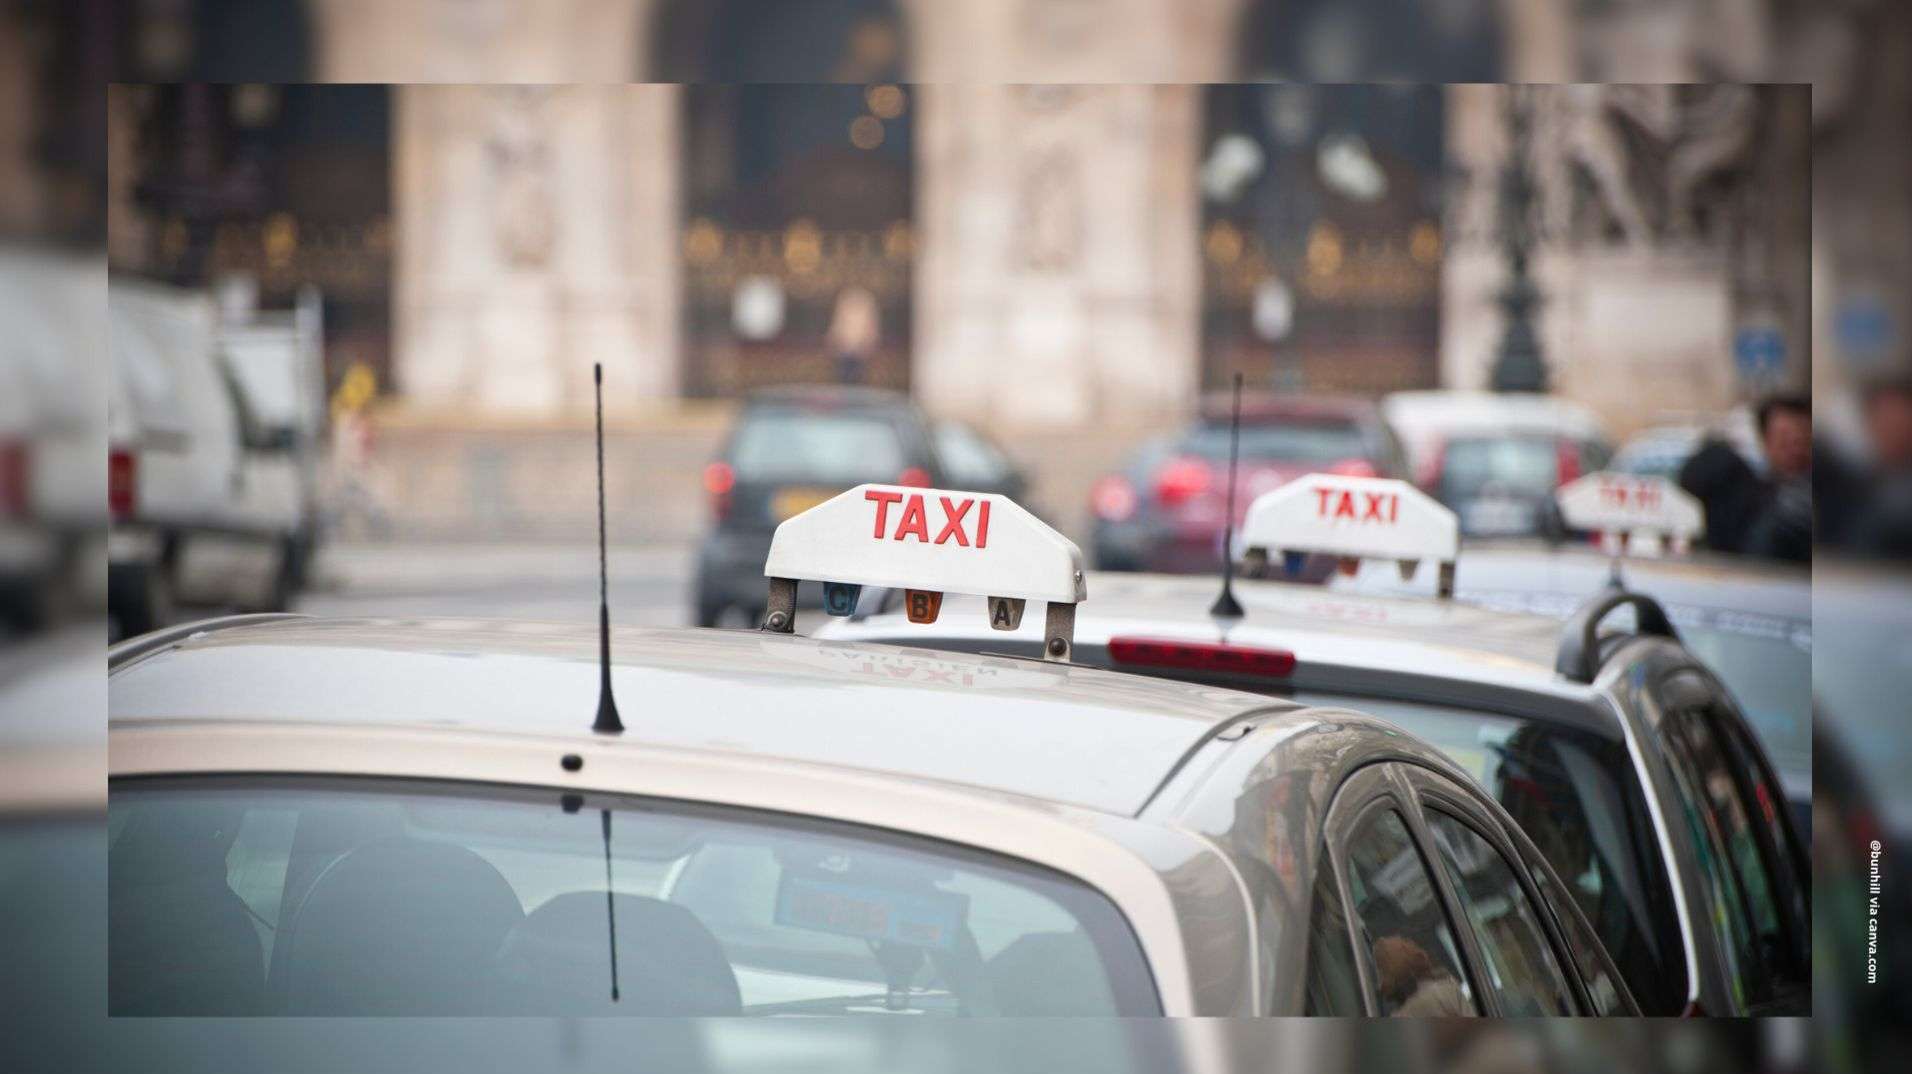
<point>1518,365</point>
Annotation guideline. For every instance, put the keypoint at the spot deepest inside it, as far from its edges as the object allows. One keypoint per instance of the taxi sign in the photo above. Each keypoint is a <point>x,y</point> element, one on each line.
<point>1623,506</point>
<point>927,542</point>
<point>1354,518</point>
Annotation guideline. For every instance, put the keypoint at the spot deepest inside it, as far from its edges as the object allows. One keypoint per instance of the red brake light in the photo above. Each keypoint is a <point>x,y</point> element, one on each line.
<point>1566,461</point>
<point>122,483</point>
<point>1112,498</point>
<point>1354,468</point>
<point>1429,476</point>
<point>1202,656</point>
<point>719,479</point>
<point>16,478</point>
<point>915,477</point>
<point>1180,480</point>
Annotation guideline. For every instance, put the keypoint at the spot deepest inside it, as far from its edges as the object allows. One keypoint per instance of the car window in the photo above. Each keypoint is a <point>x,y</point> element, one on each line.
<point>1730,828</point>
<point>1511,465</point>
<point>968,460</point>
<point>776,444</point>
<point>311,897</point>
<point>1410,946</point>
<point>1334,985</point>
<point>1521,968</point>
<point>1322,441</point>
<point>1577,796</point>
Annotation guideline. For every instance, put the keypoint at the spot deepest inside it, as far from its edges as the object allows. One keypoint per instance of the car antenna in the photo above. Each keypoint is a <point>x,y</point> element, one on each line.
<point>1226,606</point>
<point>607,722</point>
<point>610,901</point>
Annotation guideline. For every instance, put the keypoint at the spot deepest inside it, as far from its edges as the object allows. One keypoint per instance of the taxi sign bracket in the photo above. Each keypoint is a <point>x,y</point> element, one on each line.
<point>1058,632</point>
<point>780,609</point>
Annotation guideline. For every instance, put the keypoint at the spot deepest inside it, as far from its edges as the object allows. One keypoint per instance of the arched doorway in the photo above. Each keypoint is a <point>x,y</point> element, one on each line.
<point>797,173</point>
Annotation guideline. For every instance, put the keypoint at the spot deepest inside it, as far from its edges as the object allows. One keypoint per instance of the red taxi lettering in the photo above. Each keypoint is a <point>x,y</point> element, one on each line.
<point>1374,506</point>
<point>883,500</point>
<point>953,521</point>
<point>913,520</point>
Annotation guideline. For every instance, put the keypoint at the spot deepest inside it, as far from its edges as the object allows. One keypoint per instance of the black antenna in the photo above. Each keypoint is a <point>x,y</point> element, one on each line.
<point>607,722</point>
<point>610,901</point>
<point>1226,606</point>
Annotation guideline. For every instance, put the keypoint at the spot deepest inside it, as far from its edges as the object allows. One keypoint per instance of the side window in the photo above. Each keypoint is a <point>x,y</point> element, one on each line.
<point>1334,985</point>
<point>1416,962</point>
<point>1521,968</point>
<point>1732,827</point>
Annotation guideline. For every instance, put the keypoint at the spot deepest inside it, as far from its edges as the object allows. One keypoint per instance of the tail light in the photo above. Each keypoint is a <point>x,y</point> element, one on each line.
<point>122,483</point>
<point>1112,498</point>
<point>16,478</point>
<point>1202,656</point>
<point>719,479</point>
<point>1566,462</point>
<point>1180,480</point>
<point>1354,468</point>
<point>914,477</point>
<point>1429,476</point>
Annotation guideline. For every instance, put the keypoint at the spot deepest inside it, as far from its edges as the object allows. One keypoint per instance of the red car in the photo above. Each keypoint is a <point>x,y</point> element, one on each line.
<point>1164,511</point>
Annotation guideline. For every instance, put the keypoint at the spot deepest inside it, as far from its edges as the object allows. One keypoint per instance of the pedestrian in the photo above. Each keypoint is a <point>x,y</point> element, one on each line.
<point>855,329</point>
<point>1758,514</point>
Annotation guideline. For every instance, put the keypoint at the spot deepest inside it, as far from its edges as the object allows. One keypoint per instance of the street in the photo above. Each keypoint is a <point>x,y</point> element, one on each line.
<point>649,584</point>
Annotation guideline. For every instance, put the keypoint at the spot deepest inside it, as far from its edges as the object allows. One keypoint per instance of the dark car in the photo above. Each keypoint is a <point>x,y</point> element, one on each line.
<point>792,448</point>
<point>1164,511</point>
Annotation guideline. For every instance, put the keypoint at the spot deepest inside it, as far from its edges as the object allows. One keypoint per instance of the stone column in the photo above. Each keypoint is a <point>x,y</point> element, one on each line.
<point>535,236</point>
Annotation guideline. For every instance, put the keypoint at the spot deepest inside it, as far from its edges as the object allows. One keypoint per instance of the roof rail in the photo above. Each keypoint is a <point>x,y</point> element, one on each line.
<point>1579,658</point>
<point>133,648</point>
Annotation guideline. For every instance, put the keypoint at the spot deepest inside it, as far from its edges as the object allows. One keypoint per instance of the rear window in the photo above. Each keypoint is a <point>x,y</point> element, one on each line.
<point>1575,795</point>
<point>1322,441</point>
<point>1504,465</point>
<point>318,897</point>
<point>842,448</point>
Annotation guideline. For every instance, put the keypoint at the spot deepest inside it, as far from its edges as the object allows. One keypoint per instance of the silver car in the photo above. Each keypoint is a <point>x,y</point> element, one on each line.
<point>1620,754</point>
<point>380,817</point>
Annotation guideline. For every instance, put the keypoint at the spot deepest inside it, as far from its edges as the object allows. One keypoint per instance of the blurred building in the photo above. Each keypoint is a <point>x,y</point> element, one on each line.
<point>1115,231</point>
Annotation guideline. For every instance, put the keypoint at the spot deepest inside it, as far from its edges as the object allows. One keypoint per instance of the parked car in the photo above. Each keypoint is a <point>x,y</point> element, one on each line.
<point>794,447</point>
<point>1165,509</point>
<point>1661,450</point>
<point>207,502</point>
<point>1497,459</point>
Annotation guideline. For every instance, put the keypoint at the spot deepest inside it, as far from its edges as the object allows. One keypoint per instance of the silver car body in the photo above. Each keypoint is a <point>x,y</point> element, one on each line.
<point>1418,649</point>
<point>1158,794</point>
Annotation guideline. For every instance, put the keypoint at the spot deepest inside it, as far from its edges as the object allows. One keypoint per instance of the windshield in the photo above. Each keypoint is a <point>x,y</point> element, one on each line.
<point>310,897</point>
<point>1288,441</point>
<point>841,448</point>
<point>1574,794</point>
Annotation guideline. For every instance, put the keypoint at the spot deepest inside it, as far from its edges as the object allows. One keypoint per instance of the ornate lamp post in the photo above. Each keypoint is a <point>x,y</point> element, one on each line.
<point>1518,365</point>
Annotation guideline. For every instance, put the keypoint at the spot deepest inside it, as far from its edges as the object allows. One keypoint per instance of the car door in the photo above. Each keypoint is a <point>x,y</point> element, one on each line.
<point>1538,955</point>
<point>1408,956</point>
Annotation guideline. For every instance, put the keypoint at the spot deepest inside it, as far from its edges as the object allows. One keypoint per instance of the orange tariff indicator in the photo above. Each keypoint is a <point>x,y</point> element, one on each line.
<point>923,605</point>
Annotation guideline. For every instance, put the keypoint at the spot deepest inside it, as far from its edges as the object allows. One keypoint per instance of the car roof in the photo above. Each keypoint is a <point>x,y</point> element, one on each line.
<point>1352,641</point>
<point>1272,406</point>
<point>826,395</point>
<point>1552,581</point>
<point>1055,732</point>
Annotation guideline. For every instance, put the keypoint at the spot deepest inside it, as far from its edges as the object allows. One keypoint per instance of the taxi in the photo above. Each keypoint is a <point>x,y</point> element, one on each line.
<point>1618,752</point>
<point>425,817</point>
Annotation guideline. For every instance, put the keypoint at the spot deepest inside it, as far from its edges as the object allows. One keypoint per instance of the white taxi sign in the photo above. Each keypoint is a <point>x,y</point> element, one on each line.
<point>1354,518</point>
<point>927,542</point>
<point>1611,503</point>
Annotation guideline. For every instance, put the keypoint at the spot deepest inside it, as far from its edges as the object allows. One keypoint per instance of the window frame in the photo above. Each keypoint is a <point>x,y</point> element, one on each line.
<point>1435,792</point>
<point>1367,791</point>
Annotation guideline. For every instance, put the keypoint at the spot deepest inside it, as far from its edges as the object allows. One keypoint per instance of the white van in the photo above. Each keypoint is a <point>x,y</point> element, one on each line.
<point>206,501</point>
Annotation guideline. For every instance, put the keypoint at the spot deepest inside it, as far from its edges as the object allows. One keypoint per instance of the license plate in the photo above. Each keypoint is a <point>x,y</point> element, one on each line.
<point>789,502</point>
